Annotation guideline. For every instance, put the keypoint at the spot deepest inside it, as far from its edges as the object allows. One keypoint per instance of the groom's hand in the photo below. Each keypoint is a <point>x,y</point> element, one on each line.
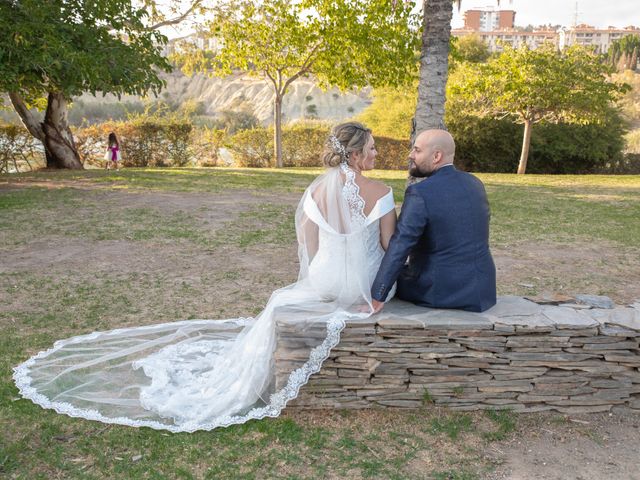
<point>377,306</point>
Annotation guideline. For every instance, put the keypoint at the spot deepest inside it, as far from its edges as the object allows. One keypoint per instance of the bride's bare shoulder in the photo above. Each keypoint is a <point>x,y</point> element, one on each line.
<point>375,188</point>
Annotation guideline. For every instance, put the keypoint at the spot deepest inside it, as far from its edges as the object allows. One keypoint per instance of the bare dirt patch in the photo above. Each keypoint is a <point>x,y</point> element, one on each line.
<point>593,268</point>
<point>581,447</point>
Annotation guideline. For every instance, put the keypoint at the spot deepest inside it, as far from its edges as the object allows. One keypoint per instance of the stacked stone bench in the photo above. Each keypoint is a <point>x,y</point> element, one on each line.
<point>519,355</point>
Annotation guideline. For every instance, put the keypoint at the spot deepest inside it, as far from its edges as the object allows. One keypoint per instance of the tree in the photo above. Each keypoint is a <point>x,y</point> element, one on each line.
<point>390,112</point>
<point>350,43</point>
<point>471,48</point>
<point>54,50</point>
<point>623,53</point>
<point>630,104</point>
<point>543,84</point>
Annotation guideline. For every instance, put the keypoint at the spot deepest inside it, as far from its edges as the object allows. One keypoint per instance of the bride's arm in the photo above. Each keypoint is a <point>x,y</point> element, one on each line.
<point>308,237</point>
<point>387,227</point>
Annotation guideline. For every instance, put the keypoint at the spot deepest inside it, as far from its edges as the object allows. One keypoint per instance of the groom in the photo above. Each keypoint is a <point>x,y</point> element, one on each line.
<point>443,229</point>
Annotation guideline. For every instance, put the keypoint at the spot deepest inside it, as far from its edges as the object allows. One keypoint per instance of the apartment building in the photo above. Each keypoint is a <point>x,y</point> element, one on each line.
<point>497,39</point>
<point>496,28</point>
<point>488,19</point>
<point>599,38</point>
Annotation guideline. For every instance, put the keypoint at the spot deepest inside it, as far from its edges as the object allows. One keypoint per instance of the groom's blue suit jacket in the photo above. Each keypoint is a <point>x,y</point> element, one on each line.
<point>443,229</point>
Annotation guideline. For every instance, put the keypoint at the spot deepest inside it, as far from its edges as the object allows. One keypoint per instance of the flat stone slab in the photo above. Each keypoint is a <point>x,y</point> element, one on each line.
<point>397,321</point>
<point>533,322</point>
<point>400,308</point>
<point>510,306</point>
<point>454,320</point>
<point>625,317</point>
<point>568,318</point>
<point>597,301</point>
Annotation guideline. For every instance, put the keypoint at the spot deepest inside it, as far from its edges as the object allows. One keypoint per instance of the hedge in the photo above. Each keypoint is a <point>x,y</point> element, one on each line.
<point>152,142</point>
<point>482,145</point>
<point>302,146</point>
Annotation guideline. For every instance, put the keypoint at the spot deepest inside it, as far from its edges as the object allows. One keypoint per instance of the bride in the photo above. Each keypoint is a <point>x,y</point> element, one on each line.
<point>202,374</point>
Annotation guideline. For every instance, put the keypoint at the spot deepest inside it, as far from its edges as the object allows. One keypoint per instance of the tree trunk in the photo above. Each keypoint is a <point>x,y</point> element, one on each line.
<point>526,141</point>
<point>634,60</point>
<point>277,131</point>
<point>59,143</point>
<point>434,64</point>
<point>33,125</point>
<point>434,68</point>
<point>54,132</point>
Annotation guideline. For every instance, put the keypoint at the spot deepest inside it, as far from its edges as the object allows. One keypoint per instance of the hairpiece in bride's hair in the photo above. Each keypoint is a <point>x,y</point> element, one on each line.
<point>338,148</point>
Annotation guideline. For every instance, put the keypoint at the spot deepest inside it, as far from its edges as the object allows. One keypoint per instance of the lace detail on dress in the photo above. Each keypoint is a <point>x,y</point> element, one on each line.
<point>277,402</point>
<point>351,193</point>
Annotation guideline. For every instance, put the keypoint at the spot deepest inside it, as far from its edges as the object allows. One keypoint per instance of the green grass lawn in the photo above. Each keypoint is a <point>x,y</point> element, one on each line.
<point>524,207</point>
<point>133,213</point>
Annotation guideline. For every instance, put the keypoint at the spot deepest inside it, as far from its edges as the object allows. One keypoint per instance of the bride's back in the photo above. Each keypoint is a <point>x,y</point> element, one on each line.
<point>371,192</point>
<point>348,249</point>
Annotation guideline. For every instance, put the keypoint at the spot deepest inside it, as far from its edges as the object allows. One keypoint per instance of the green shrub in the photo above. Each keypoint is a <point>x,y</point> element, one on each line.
<point>252,148</point>
<point>392,153</point>
<point>206,145</point>
<point>177,141</point>
<point>485,145</point>
<point>490,145</point>
<point>156,142</point>
<point>628,164</point>
<point>236,120</point>
<point>302,146</point>
<point>578,149</point>
<point>391,111</point>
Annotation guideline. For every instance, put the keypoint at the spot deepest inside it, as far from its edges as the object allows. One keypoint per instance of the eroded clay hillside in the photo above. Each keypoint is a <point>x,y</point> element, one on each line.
<point>303,100</point>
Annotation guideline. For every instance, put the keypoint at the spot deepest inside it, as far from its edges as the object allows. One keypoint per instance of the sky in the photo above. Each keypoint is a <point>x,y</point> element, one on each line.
<point>599,13</point>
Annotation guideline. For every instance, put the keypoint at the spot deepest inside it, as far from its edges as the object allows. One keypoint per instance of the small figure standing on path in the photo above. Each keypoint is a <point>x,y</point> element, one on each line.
<point>112,155</point>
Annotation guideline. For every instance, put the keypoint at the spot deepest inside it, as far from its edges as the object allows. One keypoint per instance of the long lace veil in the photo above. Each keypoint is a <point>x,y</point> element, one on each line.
<point>202,374</point>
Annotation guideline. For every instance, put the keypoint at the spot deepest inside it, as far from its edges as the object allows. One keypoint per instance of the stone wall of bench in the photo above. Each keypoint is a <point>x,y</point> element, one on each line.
<point>521,355</point>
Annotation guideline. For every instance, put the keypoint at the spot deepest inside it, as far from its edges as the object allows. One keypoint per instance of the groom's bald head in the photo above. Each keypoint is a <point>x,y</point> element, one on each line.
<point>431,150</point>
<point>440,140</point>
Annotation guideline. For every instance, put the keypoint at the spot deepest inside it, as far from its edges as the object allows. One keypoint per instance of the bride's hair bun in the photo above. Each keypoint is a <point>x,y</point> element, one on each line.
<point>345,138</point>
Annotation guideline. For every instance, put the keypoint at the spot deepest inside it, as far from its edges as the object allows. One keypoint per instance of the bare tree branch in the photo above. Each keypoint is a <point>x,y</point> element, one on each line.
<point>273,80</point>
<point>179,18</point>
<point>306,67</point>
<point>294,78</point>
<point>30,122</point>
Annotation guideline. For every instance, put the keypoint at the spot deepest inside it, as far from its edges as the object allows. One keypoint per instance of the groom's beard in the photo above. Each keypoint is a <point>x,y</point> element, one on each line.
<point>417,172</point>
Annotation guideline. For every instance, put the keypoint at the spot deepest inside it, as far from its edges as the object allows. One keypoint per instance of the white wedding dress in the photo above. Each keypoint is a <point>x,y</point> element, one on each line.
<point>202,374</point>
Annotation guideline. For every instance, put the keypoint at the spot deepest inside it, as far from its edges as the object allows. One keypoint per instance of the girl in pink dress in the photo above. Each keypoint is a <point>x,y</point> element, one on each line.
<point>112,155</point>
